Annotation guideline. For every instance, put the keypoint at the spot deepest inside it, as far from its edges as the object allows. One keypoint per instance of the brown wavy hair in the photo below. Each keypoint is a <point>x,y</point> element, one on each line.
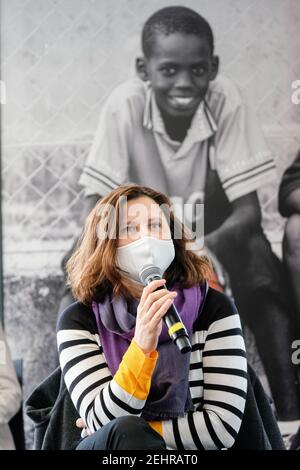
<point>92,270</point>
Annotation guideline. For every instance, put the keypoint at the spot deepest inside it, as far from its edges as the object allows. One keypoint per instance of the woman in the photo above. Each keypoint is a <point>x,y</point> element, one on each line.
<point>128,381</point>
<point>10,394</point>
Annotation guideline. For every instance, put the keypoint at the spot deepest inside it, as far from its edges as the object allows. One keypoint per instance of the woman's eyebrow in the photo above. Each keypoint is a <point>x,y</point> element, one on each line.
<point>150,219</point>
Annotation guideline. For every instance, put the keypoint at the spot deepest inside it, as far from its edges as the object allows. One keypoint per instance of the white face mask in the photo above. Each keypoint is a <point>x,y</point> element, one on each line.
<point>132,258</point>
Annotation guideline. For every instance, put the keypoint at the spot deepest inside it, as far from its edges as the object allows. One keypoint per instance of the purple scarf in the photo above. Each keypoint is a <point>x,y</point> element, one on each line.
<point>169,393</point>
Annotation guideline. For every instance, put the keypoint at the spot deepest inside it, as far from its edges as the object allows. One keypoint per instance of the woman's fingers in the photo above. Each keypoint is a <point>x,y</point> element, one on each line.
<point>155,296</point>
<point>160,312</point>
<point>156,305</point>
<point>80,423</point>
<point>150,288</point>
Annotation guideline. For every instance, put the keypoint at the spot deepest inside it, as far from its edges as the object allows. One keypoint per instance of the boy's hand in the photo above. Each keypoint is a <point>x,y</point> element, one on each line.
<point>82,425</point>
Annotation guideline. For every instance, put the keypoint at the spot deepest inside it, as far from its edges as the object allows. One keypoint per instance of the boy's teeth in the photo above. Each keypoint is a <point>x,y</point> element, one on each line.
<point>181,100</point>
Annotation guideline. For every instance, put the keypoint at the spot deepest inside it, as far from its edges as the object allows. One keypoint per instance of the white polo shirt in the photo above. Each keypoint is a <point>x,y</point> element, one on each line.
<point>131,145</point>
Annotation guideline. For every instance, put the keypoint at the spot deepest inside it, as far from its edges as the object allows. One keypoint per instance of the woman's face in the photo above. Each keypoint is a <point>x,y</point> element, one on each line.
<point>142,217</point>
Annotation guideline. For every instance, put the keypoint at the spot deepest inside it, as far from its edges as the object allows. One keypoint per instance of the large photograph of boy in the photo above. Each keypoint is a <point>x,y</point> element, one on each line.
<point>187,118</point>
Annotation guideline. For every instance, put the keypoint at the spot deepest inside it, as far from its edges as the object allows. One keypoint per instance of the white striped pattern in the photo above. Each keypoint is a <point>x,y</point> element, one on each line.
<point>220,402</point>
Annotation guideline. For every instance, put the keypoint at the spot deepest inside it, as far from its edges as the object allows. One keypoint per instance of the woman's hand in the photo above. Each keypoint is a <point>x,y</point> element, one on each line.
<point>152,307</point>
<point>81,425</point>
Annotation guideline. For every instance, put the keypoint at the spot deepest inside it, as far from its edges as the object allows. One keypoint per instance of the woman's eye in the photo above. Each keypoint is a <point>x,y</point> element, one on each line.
<point>129,229</point>
<point>156,224</point>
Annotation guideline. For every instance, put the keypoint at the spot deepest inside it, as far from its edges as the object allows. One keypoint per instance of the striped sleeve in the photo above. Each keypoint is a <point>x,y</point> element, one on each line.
<point>97,396</point>
<point>224,374</point>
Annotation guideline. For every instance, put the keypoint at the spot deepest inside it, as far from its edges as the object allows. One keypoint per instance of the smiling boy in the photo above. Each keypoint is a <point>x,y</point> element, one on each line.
<point>160,131</point>
<point>186,132</point>
<point>179,67</point>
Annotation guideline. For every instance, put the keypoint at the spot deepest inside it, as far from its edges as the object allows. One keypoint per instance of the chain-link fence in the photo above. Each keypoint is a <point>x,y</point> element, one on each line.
<point>57,67</point>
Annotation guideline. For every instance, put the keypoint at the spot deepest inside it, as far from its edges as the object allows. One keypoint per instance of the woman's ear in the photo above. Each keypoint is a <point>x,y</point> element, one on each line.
<point>215,67</point>
<point>141,68</point>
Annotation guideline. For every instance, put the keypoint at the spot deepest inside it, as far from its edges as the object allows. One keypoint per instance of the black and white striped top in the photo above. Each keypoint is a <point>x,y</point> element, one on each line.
<point>217,376</point>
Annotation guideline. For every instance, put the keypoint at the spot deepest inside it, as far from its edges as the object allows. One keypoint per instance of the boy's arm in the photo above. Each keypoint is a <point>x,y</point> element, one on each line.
<point>244,220</point>
<point>289,190</point>
<point>292,203</point>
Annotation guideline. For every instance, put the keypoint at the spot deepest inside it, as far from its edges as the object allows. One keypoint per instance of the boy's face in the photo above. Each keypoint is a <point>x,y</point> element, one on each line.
<point>179,69</point>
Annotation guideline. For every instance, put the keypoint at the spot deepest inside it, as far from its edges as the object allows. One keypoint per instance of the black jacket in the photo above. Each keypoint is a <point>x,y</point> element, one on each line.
<point>54,416</point>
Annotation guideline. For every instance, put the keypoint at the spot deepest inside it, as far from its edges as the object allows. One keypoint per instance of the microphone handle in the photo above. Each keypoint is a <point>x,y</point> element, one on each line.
<point>176,328</point>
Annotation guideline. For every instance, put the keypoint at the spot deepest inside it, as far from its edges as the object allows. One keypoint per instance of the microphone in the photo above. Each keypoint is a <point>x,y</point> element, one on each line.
<point>176,328</point>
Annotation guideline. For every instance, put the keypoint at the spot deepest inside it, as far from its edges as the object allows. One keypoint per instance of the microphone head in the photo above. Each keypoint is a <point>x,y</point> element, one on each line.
<point>149,273</point>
